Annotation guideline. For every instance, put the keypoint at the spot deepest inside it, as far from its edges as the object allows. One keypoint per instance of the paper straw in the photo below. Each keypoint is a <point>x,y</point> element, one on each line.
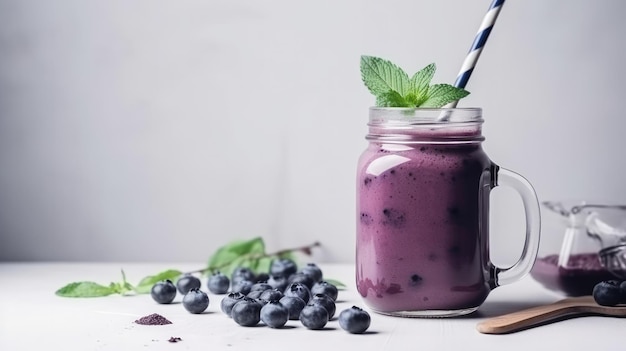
<point>477,47</point>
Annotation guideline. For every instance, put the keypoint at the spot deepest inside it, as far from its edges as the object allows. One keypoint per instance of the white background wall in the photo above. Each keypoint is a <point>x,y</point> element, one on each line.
<point>159,130</point>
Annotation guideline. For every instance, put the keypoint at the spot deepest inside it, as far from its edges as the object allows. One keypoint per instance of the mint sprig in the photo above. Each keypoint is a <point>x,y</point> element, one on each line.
<point>239,253</point>
<point>393,87</point>
<point>92,289</point>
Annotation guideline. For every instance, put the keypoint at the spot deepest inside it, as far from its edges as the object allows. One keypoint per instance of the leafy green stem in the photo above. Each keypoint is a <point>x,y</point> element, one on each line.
<point>306,249</point>
<point>240,253</point>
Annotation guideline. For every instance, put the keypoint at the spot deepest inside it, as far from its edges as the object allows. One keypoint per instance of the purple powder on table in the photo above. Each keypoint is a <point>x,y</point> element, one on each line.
<point>153,319</point>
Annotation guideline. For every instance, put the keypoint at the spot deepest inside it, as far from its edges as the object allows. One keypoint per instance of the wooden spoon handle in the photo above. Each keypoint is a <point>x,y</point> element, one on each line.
<point>527,318</point>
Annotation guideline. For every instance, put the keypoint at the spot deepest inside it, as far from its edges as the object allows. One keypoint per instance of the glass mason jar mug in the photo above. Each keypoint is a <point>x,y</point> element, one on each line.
<point>422,243</point>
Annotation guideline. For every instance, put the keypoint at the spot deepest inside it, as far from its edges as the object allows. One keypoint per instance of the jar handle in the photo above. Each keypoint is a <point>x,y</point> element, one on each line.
<point>503,176</point>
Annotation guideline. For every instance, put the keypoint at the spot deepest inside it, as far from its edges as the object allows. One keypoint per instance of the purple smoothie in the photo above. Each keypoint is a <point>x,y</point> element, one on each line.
<point>419,226</point>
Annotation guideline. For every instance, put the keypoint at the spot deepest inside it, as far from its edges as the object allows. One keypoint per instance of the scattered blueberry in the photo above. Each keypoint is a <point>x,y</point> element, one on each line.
<point>314,316</point>
<point>622,291</point>
<point>163,291</point>
<point>324,301</point>
<point>246,312</point>
<point>242,273</point>
<point>274,315</point>
<point>294,305</point>
<point>254,294</point>
<point>313,271</point>
<point>229,301</point>
<point>326,288</point>
<point>187,282</point>
<point>299,290</point>
<point>243,286</point>
<point>283,267</point>
<point>301,278</point>
<point>261,286</point>
<point>196,301</point>
<point>607,293</point>
<point>271,295</point>
<point>218,283</point>
<point>262,277</point>
<point>279,283</point>
<point>354,320</point>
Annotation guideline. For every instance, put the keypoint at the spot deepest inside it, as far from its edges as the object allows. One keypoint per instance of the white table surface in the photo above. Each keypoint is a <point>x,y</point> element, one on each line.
<point>32,317</point>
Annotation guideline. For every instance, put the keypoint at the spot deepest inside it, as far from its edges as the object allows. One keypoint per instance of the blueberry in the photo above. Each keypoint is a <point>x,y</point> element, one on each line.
<point>243,286</point>
<point>274,315</point>
<point>218,283</point>
<point>163,291</point>
<point>607,293</point>
<point>354,320</point>
<point>299,290</point>
<point>187,282</point>
<point>261,286</point>
<point>313,271</point>
<point>283,267</point>
<point>271,295</point>
<point>254,294</point>
<point>246,312</point>
<point>294,305</point>
<point>262,277</point>
<point>196,301</point>
<point>279,283</point>
<point>314,316</point>
<point>326,288</point>
<point>242,273</point>
<point>229,301</point>
<point>302,278</point>
<point>324,301</point>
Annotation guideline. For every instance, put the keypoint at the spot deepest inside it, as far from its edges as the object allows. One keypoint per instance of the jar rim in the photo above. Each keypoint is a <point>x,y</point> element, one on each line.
<point>420,116</point>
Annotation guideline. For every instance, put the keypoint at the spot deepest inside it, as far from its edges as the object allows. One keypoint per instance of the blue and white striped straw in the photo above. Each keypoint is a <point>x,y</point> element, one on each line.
<point>477,47</point>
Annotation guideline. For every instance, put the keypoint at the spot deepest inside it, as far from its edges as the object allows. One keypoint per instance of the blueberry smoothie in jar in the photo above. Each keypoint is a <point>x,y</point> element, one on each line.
<point>422,197</point>
<point>422,200</point>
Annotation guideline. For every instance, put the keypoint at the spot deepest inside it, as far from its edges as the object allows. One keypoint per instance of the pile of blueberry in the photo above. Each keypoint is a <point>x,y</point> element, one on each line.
<point>272,298</point>
<point>610,292</point>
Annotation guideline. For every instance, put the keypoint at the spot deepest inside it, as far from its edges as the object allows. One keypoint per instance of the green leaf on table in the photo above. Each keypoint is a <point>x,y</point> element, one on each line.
<point>230,256</point>
<point>85,289</point>
<point>145,284</point>
<point>261,264</point>
<point>125,286</point>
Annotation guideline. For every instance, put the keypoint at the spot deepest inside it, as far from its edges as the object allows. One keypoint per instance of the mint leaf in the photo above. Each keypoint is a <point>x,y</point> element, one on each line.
<point>420,82</point>
<point>245,253</point>
<point>85,289</point>
<point>145,284</point>
<point>126,286</point>
<point>231,255</point>
<point>441,94</point>
<point>380,76</point>
<point>391,99</point>
<point>393,88</point>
